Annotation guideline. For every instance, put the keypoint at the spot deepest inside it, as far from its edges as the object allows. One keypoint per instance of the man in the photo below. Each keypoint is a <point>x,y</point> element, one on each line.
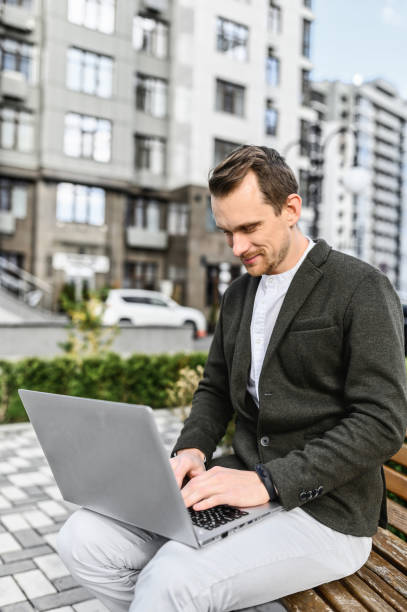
<point>308,354</point>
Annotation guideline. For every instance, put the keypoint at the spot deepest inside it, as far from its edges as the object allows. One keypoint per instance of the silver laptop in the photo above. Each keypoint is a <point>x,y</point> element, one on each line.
<point>108,457</point>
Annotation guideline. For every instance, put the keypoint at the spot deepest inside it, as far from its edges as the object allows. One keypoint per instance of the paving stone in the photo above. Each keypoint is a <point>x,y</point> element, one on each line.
<point>6,569</point>
<point>53,492</point>
<point>36,518</point>
<point>63,598</point>
<point>9,592</point>
<point>19,462</point>
<point>64,583</point>
<point>34,583</point>
<point>54,528</point>
<point>28,538</point>
<point>7,468</point>
<point>51,539</point>
<point>34,490</point>
<point>29,553</point>
<point>4,503</point>
<point>24,606</point>
<point>28,479</point>
<point>29,453</point>
<point>13,493</point>
<point>52,508</point>
<point>63,609</point>
<point>94,605</point>
<point>14,522</point>
<point>52,566</point>
<point>8,543</point>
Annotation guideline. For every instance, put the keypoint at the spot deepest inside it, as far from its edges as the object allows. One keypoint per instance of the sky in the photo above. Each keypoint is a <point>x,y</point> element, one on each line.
<point>365,37</point>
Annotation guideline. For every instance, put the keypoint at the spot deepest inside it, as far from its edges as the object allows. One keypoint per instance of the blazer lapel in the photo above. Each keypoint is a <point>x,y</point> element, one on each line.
<point>242,353</point>
<point>307,276</point>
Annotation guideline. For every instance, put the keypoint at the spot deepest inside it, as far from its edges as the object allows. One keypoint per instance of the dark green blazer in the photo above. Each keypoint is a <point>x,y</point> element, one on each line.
<point>332,391</point>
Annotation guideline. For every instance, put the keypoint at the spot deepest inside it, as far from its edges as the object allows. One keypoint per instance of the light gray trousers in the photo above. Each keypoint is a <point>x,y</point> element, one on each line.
<point>131,569</point>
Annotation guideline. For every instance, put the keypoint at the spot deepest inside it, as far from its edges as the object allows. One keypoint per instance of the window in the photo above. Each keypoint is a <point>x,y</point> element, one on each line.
<point>89,72</point>
<point>144,213</point>
<point>232,39</point>
<point>271,119</point>
<point>16,56</point>
<point>150,154</point>
<point>93,14</point>
<point>23,3</point>
<point>305,128</point>
<point>229,97</point>
<point>151,95</point>
<point>140,275</point>
<point>274,18</point>
<point>303,187</point>
<point>80,204</point>
<point>272,69</point>
<point>210,223</point>
<point>306,38</point>
<point>87,137</point>
<point>305,88</point>
<point>222,149</point>
<point>13,197</point>
<point>16,129</point>
<point>177,221</point>
<point>150,35</point>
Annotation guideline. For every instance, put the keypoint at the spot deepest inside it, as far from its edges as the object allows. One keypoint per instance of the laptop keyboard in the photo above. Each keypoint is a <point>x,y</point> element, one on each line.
<point>215,517</point>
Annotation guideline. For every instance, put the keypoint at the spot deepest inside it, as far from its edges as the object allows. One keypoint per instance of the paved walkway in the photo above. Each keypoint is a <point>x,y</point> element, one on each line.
<point>32,577</point>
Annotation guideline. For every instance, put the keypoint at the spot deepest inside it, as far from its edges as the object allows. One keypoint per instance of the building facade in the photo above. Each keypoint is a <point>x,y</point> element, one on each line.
<point>364,125</point>
<point>111,115</point>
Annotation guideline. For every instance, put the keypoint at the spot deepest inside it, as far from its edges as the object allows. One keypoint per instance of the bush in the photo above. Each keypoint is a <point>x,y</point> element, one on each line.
<point>139,379</point>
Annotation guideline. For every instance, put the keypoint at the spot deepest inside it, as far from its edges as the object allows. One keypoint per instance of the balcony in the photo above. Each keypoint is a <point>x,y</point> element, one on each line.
<point>13,85</point>
<point>146,239</point>
<point>7,222</point>
<point>17,17</point>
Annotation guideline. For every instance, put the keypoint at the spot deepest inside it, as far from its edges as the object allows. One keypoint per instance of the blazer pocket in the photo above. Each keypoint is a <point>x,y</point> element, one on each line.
<point>314,324</point>
<point>313,356</point>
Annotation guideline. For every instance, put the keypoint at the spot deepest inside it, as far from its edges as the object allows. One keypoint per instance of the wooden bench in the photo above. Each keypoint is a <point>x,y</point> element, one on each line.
<point>381,584</point>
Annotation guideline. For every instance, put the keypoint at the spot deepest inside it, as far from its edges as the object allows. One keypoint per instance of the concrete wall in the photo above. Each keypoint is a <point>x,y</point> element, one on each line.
<point>41,340</point>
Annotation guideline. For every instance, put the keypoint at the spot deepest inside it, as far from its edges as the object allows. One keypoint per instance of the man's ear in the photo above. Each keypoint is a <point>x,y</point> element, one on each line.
<point>293,208</point>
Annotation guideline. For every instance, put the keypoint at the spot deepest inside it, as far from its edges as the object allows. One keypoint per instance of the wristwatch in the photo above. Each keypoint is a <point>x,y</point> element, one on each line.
<point>265,476</point>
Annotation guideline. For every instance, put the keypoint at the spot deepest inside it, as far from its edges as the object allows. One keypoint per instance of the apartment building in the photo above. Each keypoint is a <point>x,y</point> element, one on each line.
<point>364,125</point>
<point>112,112</point>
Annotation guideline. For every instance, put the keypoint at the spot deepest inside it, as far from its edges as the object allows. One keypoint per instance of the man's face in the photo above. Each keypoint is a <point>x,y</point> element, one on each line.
<point>259,237</point>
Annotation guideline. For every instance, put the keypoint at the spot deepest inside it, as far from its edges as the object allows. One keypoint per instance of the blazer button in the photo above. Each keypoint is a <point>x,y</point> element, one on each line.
<point>320,489</point>
<point>265,441</point>
<point>303,496</point>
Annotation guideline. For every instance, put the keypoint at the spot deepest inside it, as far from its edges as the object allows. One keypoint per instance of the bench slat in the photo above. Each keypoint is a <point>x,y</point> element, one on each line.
<point>392,548</point>
<point>397,515</point>
<point>388,572</point>
<point>396,482</point>
<point>384,590</point>
<point>366,595</point>
<point>339,597</point>
<point>401,456</point>
<point>305,601</point>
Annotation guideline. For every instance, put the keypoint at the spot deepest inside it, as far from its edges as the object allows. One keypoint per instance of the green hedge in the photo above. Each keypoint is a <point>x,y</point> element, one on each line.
<point>139,379</point>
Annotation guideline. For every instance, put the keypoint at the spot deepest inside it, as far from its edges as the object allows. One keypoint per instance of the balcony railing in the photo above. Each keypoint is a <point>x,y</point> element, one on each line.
<point>13,84</point>
<point>7,222</point>
<point>17,17</point>
<point>143,238</point>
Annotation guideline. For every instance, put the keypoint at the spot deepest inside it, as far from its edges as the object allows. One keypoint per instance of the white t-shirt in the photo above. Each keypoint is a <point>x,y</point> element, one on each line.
<point>267,304</point>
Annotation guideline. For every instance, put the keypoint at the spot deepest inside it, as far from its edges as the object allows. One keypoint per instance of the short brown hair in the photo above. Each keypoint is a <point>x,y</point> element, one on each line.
<point>276,179</point>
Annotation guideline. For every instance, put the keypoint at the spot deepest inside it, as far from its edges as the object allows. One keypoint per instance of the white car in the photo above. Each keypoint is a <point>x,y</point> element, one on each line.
<point>141,307</point>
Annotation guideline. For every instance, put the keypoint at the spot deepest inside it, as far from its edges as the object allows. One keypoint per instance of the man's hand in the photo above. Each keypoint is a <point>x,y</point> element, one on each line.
<point>188,462</point>
<point>221,485</point>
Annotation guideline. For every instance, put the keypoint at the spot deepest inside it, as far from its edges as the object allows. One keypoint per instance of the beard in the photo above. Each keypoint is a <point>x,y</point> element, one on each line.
<point>268,265</point>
